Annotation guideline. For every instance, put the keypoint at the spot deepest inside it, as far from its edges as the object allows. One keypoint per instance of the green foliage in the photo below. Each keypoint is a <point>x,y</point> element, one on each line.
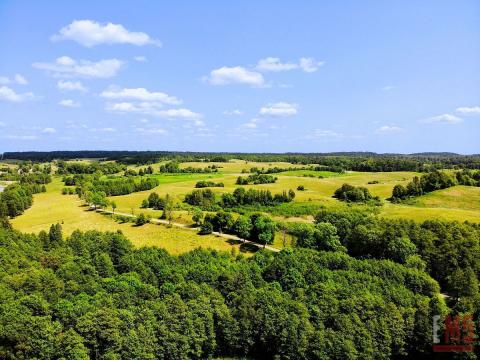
<point>352,193</point>
<point>141,219</point>
<point>256,179</point>
<point>205,183</point>
<point>94,296</point>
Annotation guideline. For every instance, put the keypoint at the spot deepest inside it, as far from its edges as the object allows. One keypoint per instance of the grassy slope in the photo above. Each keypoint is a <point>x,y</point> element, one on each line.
<point>52,207</point>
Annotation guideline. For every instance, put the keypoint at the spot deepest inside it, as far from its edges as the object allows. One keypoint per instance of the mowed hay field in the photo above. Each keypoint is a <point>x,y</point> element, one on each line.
<point>52,207</point>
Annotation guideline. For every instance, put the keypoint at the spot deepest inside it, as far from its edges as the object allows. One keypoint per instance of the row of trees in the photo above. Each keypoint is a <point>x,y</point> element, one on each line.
<point>75,167</point>
<point>174,167</point>
<point>122,186</point>
<point>16,198</point>
<point>256,227</point>
<point>93,296</point>
<point>141,172</point>
<point>206,183</point>
<point>206,199</point>
<point>256,179</point>
<point>352,193</point>
<point>435,180</point>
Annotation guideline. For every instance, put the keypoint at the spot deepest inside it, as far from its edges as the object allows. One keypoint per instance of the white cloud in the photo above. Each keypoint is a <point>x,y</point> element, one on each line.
<point>67,67</point>
<point>49,130</point>
<point>279,109</point>
<point>140,58</point>
<point>141,94</point>
<point>474,110</point>
<point>17,79</point>
<point>310,64</point>
<point>233,112</point>
<point>442,119</point>
<point>234,75</point>
<point>69,103</point>
<point>91,33</point>
<point>8,94</point>
<point>386,129</point>
<point>71,86</point>
<point>152,109</point>
<point>275,64</point>
<point>2,124</point>
<point>324,134</point>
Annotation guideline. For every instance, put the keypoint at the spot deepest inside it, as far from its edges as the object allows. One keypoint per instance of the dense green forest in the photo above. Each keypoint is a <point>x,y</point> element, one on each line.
<point>92,295</point>
<point>357,161</point>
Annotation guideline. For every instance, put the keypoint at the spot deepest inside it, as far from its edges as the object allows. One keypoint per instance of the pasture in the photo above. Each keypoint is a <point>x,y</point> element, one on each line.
<point>457,203</point>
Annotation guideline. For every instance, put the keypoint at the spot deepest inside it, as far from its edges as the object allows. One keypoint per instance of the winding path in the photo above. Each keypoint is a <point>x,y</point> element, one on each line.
<point>165,222</point>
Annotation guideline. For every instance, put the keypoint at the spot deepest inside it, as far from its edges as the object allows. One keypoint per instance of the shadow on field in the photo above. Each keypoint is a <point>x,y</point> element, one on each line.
<point>244,247</point>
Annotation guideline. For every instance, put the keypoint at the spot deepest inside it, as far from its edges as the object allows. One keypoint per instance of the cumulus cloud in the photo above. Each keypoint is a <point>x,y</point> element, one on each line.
<point>442,119</point>
<point>140,58</point>
<point>90,33</point>
<point>71,86</point>
<point>8,94</point>
<point>49,130</point>
<point>153,109</point>
<point>67,67</point>
<point>235,75</point>
<point>386,129</point>
<point>141,94</point>
<point>17,79</point>
<point>473,110</point>
<point>279,109</point>
<point>276,65</point>
<point>69,103</point>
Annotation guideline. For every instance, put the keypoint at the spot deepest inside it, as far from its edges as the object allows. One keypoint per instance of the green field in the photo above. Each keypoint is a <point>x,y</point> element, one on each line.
<point>52,207</point>
<point>457,203</point>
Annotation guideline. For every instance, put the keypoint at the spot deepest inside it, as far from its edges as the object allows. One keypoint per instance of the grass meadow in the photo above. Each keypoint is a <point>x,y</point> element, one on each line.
<point>457,203</point>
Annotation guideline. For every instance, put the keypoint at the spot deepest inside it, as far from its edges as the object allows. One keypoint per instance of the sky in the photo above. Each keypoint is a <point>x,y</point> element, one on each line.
<point>249,76</point>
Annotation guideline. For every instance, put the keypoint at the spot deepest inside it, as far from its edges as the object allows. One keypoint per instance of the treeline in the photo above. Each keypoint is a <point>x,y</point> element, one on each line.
<point>448,251</point>
<point>92,295</point>
<point>16,198</point>
<point>257,227</point>
<point>204,184</point>
<point>141,172</point>
<point>256,179</point>
<point>356,161</point>
<point>173,167</point>
<point>435,180</point>
<point>350,193</point>
<point>106,168</point>
<point>124,186</point>
<point>206,199</point>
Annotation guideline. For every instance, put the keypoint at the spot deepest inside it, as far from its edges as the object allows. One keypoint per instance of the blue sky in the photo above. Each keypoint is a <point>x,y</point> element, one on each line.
<point>269,76</point>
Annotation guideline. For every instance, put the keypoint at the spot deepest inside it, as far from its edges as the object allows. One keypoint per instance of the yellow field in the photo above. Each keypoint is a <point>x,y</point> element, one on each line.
<point>457,203</point>
<point>52,207</point>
